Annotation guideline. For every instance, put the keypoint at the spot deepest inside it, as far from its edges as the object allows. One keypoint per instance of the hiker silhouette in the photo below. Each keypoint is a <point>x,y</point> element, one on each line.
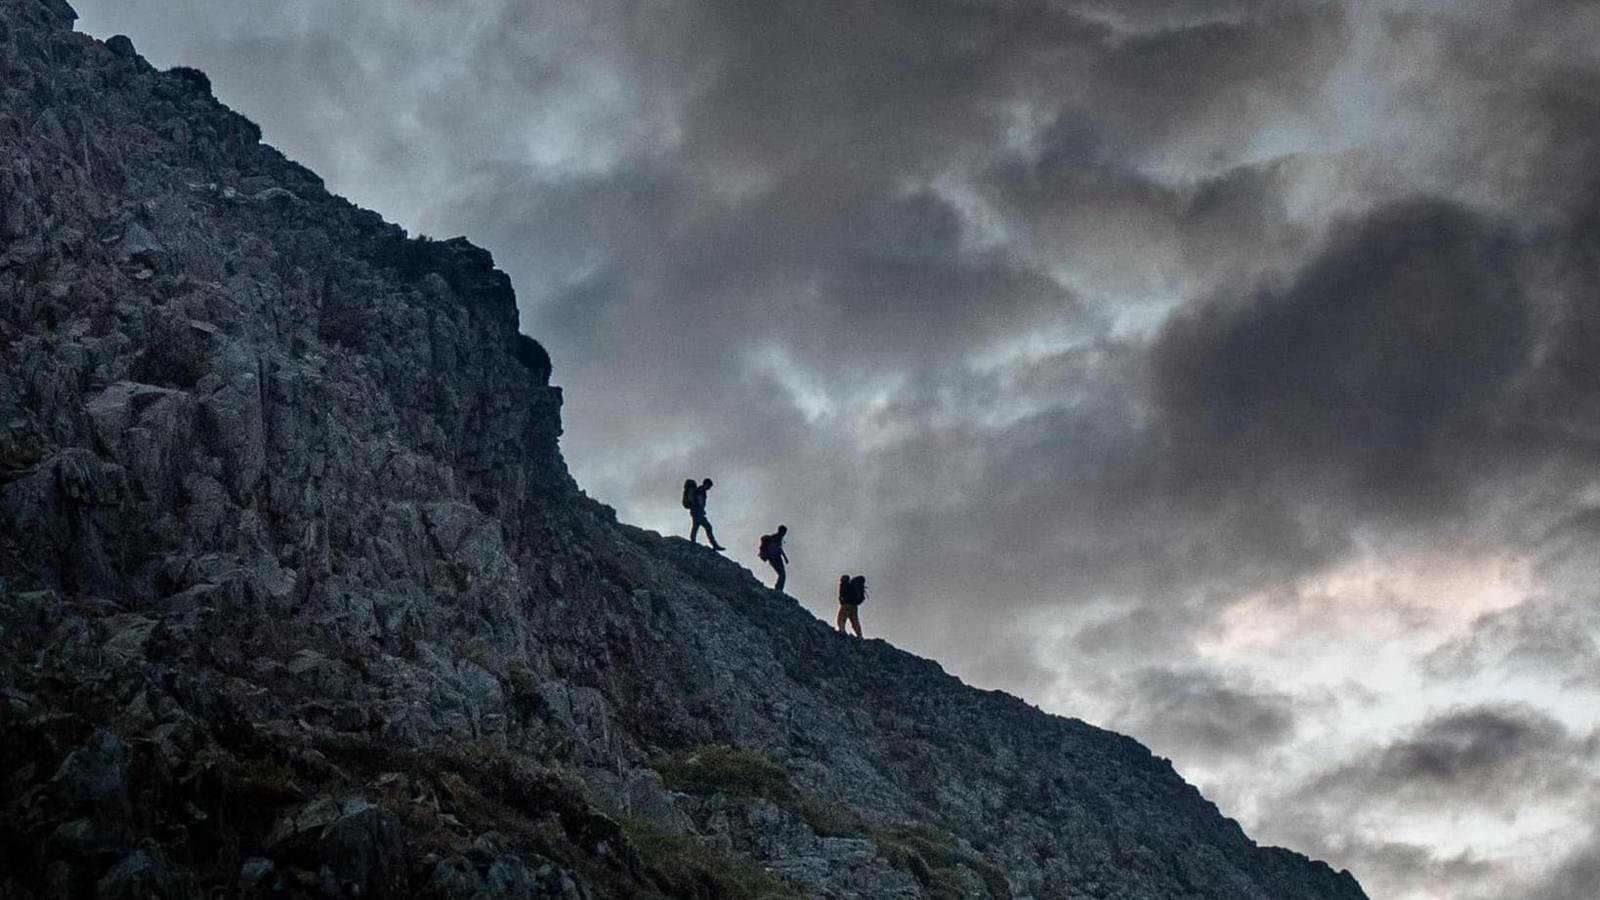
<point>694,500</point>
<point>852,593</point>
<point>771,550</point>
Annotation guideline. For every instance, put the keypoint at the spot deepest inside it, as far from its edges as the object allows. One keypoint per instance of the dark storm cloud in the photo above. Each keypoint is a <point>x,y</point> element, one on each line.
<point>1080,205</point>
<point>1376,375</point>
<point>1566,392</point>
<point>1485,757</point>
<point>1377,381</point>
<point>1575,877</point>
<point>799,196</point>
<point>1212,82</point>
<point>1198,714</point>
<point>1488,763</point>
<point>1401,867</point>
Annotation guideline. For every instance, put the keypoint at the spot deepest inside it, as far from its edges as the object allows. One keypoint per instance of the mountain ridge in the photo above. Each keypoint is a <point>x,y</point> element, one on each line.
<point>300,599</point>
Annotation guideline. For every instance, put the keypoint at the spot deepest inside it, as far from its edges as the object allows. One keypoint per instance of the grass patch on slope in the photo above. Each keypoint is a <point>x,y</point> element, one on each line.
<point>690,866</point>
<point>931,855</point>
<point>492,789</point>
<point>722,769</point>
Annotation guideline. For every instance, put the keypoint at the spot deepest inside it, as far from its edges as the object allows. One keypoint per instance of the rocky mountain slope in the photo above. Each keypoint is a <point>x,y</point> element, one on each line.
<point>298,599</point>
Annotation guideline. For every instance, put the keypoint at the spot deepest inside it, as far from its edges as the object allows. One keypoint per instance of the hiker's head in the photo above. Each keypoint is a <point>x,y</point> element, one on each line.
<point>783,530</point>
<point>706,483</point>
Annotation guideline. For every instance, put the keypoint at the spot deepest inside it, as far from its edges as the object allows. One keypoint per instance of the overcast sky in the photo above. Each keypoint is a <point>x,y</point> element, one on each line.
<point>1224,373</point>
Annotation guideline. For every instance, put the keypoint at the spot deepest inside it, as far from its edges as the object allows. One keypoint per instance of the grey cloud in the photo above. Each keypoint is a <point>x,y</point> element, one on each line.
<point>1575,877</point>
<point>1202,85</point>
<point>1129,235</point>
<point>1474,757</point>
<point>1385,382</point>
<point>1370,384</point>
<point>1403,867</point>
<point>1158,15</point>
<point>1541,636</point>
<point>1566,390</point>
<point>1501,99</point>
<point>1198,714</point>
<point>1494,760</point>
<point>1376,375</point>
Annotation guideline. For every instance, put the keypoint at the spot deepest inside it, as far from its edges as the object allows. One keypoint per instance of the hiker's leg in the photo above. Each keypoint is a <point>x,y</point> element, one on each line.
<point>694,530</point>
<point>781,576</point>
<point>841,619</point>
<point>709,536</point>
<point>855,619</point>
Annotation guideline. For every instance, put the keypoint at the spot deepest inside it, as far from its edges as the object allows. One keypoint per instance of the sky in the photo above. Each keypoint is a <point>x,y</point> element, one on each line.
<point>1222,372</point>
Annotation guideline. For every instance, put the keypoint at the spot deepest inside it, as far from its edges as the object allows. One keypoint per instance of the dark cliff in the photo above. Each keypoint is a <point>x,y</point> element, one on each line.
<point>298,599</point>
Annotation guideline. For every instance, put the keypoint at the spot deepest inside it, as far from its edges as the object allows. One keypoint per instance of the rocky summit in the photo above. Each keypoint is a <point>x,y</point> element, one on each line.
<point>298,599</point>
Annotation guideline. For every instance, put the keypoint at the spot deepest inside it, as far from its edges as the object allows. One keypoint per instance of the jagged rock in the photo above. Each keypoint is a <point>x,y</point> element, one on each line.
<point>94,778</point>
<point>138,245</point>
<point>258,878</point>
<point>277,193</point>
<point>509,879</point>
<point>146,875</point>
<point>121,45</point>
<point>363,855</point>
<point>90,837</point>
<point>643,793</point>
<point>297,596</point>
<point>455,878</point>
<point>300,829</point>
<point>128,637</point>
<point>49,130</point>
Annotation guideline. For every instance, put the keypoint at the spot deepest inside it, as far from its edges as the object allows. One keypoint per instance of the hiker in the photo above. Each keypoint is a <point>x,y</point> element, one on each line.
<point>770,550</point>
<point>694,500</point>
<point>852,593</point>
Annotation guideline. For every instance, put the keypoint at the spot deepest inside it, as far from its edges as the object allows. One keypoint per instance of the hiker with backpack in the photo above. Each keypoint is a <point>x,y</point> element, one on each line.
<point>770,551</point>
<point>694,500</point>
<point>852,593</point>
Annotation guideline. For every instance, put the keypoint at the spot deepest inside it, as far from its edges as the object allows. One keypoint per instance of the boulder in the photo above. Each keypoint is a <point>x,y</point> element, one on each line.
<point>363,854</point>
<point>146,875</point>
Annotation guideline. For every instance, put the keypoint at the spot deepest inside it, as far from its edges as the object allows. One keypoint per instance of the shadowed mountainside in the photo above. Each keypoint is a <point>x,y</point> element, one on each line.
<point>297,597</point>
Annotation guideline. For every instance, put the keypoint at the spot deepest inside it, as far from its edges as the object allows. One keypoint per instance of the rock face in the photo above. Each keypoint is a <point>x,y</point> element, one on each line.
<point>298,599</point>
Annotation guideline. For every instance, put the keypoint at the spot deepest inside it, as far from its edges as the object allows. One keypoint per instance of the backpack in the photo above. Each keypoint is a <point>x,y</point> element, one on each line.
<point>764,550</point>
<point>858,592</point>
<point>688,493</point>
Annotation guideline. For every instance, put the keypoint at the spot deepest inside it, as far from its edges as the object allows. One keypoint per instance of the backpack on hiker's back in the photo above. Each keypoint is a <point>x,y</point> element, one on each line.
<point>764,551</point>
<point>689,488</point>
<point>852,590</point>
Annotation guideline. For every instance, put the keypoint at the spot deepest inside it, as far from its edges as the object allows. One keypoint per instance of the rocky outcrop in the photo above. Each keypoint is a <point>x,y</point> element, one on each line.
<point>297,597</point>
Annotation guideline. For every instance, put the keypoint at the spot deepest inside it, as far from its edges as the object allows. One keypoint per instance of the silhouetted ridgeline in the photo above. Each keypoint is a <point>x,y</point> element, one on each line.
<point>298,598</point>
